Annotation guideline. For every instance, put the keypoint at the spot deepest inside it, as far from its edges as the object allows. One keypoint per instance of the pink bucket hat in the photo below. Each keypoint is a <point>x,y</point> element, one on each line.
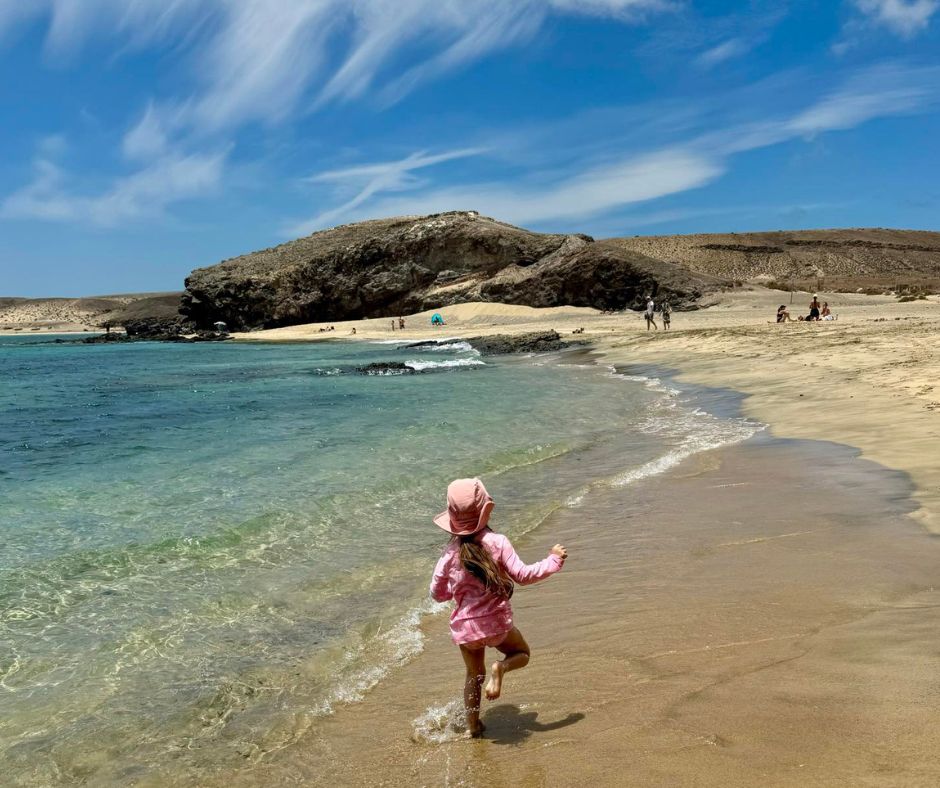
<point>468,508</point>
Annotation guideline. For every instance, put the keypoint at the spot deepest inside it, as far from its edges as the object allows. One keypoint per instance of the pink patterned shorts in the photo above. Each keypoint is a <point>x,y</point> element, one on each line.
<point>493,641</point>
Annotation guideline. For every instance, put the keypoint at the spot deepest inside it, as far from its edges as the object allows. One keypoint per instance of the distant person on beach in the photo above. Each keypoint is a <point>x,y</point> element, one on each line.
<point>477,571</point>
<point>826,313</point>
<point>650,314</point>
<point>393,325</point>
<point>401,323</point>
<point>783,314</point>
<point>667,315</point>
<point>353,331</point>
<point>813,309</point>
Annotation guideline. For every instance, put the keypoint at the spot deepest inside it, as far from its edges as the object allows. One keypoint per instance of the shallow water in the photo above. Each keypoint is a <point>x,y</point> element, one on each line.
<point>207,547</point>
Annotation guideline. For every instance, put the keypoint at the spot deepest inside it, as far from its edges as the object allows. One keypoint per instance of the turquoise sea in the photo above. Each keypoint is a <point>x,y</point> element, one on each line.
<point>205,548</point>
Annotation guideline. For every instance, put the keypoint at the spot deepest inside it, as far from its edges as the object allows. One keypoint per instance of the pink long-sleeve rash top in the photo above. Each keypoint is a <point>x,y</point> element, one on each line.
<point>480,613</point>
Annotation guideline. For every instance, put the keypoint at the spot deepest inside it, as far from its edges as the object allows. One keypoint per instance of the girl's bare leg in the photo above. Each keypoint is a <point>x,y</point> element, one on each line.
<point>476,673</point>
<point>517,656</point>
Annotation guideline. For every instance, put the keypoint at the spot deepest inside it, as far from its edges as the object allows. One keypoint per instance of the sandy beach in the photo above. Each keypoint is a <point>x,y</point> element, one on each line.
<point>763,614</point>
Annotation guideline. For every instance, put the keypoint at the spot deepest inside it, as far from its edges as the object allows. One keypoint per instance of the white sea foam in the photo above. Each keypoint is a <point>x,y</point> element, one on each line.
<point>458,346</point>
<point>440,724</point>
<point>695,429</point>
<point>451,363</point>
<point>399,644</point>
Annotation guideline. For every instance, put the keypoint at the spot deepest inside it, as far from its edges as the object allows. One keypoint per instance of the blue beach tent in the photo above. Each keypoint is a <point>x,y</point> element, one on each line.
<point>437,320</point>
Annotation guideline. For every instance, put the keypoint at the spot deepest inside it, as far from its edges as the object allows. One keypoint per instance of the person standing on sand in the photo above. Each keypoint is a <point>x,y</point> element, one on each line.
<point>477,570</point>
<point>667,315</point>
<point>393,325</point>
<point>814,309</point>
<point>650,313</point>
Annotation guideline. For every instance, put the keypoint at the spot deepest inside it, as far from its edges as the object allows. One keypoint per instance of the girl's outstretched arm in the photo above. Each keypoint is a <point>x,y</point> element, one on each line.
<point>526,574</point>
<point>440,581</point>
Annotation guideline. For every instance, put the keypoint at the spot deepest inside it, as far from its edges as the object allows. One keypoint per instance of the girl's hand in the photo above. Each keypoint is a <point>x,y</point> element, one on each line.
<point>560,551</point>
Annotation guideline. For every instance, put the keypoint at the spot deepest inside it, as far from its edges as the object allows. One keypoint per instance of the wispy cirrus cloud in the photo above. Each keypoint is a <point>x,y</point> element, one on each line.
<point>597,185</point>
<point>369,180</point>
<point>904,17</point>
<point>726,50</point>
<point>255,60</point>
<point>145,193</point>
<point>264,62</point>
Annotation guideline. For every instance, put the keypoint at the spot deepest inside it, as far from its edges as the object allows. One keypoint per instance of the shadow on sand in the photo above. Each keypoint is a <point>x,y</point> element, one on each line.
<point>506,724</point>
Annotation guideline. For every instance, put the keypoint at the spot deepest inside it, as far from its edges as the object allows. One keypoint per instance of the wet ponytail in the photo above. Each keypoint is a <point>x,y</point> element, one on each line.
<point>477,560</point>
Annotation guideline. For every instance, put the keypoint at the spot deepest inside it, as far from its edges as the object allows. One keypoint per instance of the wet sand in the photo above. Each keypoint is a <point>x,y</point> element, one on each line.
<point>761,615</point>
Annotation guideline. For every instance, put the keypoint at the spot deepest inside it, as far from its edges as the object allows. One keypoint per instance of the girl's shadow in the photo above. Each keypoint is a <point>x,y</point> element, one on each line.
<point>506,724</point>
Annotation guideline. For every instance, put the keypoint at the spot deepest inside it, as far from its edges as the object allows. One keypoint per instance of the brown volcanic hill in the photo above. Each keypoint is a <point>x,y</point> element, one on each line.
<point>85,313</point>
<point>848,257</point>
<point>395,266</point>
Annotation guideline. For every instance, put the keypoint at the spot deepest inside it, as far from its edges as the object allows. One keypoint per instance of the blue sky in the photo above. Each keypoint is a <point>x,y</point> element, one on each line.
<point>144,138</point>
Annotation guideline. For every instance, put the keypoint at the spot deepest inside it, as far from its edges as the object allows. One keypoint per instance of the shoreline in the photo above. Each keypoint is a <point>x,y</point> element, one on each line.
<point>866,380</point>
<point>698,614</point>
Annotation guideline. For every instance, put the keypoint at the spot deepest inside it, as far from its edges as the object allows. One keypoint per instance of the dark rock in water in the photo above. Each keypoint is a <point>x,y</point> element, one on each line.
<point>200,336</point>
<point>534,342</point>
<point>390,267</point>
<point>386,368</point>
<point>104,339</point>
<point>424,343</point>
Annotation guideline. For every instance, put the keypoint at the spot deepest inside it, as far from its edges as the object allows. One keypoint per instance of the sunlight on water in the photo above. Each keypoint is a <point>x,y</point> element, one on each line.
<point>206,547</point>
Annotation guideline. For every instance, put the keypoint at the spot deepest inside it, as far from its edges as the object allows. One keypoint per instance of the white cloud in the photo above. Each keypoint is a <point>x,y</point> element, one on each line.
<point>732,48</point>
<point>613,184</point>
<point>147,138</point>
<point>145,193</point>
<point>904,17</point>
<point>590,188</point>
<point>372,179</point>
<point>259,60</point>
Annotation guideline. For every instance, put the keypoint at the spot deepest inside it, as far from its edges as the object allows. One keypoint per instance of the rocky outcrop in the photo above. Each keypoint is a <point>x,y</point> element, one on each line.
<point>152,317</point>
<point>533,342</point>
<point>395,266</point>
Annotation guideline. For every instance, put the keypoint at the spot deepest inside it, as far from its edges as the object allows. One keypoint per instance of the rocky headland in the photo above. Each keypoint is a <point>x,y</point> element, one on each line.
<point>389,267</point>
<point>404,265</point>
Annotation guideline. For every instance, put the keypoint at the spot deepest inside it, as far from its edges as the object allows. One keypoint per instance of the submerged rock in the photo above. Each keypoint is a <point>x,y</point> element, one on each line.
<point>386,368</point>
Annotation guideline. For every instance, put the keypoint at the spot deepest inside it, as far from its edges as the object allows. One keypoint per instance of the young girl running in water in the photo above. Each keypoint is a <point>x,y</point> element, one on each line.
<point>477,571</point>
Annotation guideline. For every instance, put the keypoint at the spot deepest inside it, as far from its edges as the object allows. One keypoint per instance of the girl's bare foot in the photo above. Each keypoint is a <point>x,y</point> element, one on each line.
<point>495,685</point>
<point>476,731</point>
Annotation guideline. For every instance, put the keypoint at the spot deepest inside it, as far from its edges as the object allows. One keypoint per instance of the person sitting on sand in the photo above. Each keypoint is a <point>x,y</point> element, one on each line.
<point>353,331</point>
<point>667,315</point>
<point>650,313</point>
<point>477,570</point>
<point>826,313</point>
<point>783,314</point>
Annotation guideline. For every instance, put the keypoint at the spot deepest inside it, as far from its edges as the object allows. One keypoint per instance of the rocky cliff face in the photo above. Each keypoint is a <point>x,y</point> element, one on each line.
<point>406,264</point>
